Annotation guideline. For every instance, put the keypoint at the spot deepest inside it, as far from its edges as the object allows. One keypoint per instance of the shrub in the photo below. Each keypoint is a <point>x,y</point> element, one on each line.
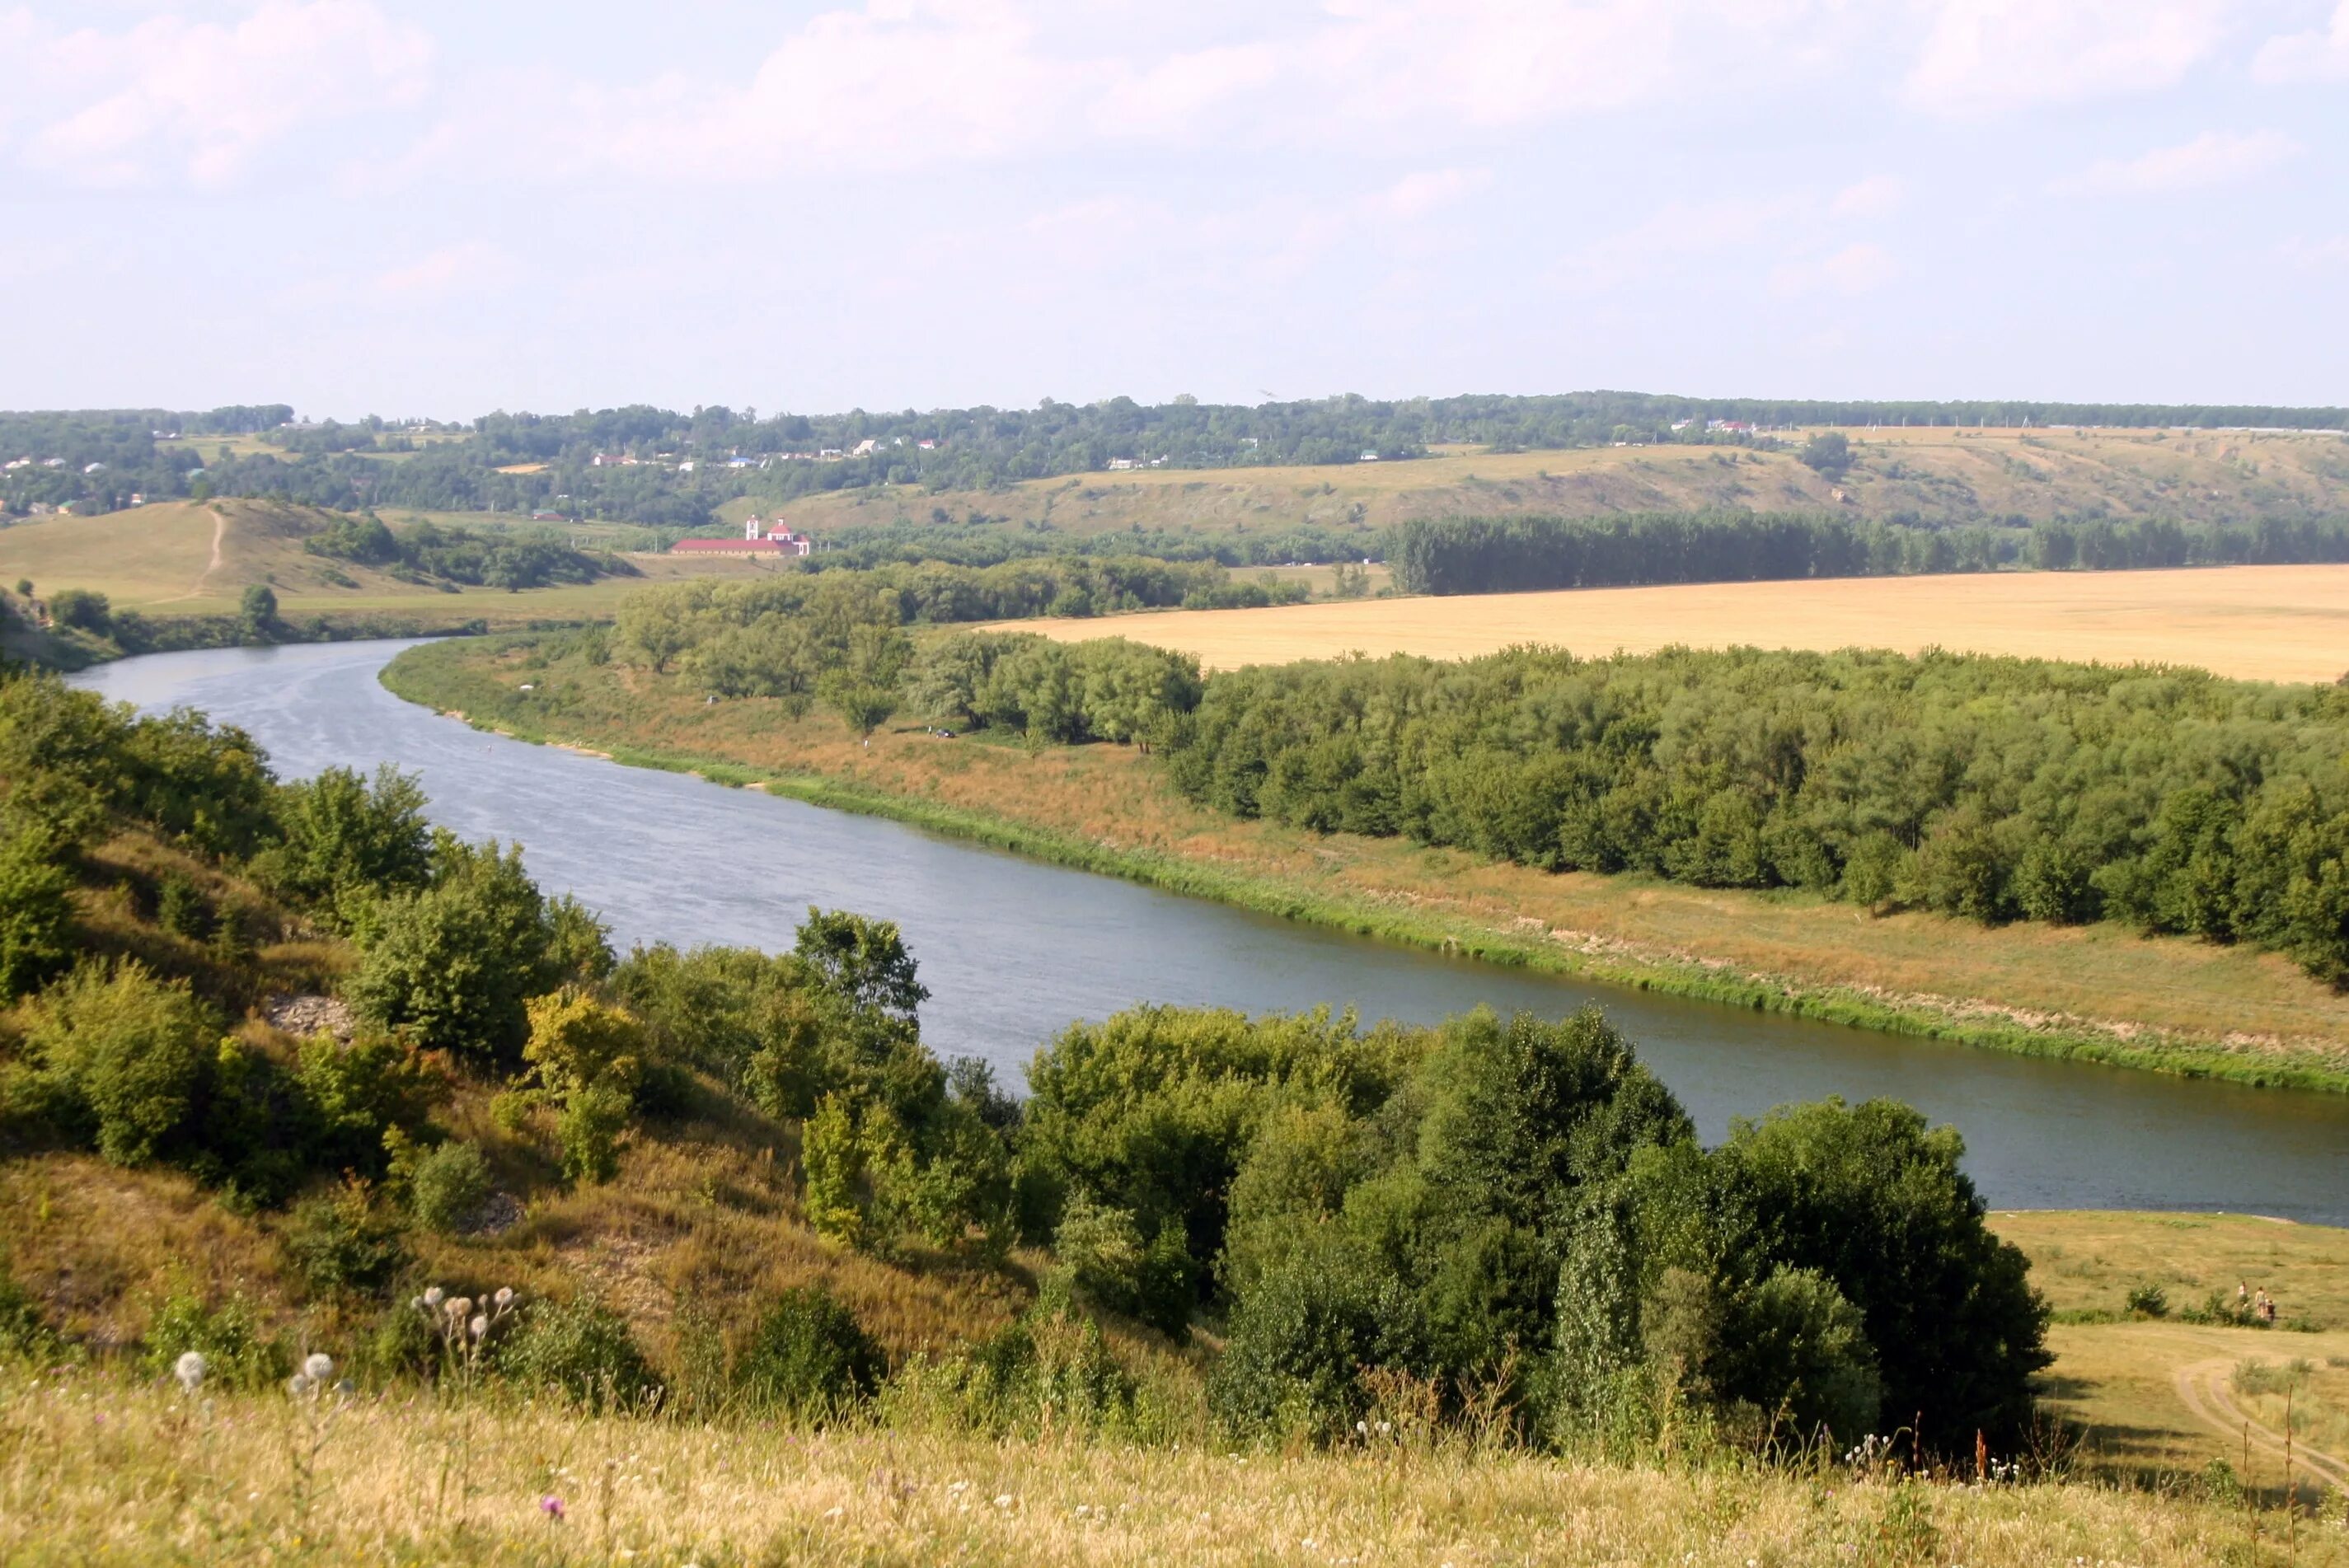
<point>454,963</point>
<point>808,1358</point>
<point>180,909</point>
<point>344,1241</point>
<point>580,1349</point>
<point>1110,1264</point>
<point>2146,1299</point>
<point>448,1185</point>
<point>81,610</point>
<point>35,920</point>
<point>24,1332</point>
<point>128,1049</point>
<point>1796,1350</point>
<point>237,1352</point>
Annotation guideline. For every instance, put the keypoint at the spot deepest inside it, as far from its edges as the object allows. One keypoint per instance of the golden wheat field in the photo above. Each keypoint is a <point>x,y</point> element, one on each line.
<point>2256,622</point>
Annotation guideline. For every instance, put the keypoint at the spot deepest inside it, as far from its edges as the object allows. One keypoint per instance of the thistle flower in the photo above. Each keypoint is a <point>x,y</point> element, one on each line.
<point>505,1298</point>
<point>460,1307</point>
<point>432,1296</point>
<point>481,1325</point>
<point>551,1506</point>
<point>190,1370</point>
<point>318,1367</point>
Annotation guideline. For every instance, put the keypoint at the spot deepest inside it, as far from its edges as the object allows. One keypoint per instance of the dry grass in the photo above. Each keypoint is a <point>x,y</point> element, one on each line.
<point>2086,1262</point>
<point>98,1472</point>
<point>159,559</point>
<point>1937,475</point>
<point>2257,622</point>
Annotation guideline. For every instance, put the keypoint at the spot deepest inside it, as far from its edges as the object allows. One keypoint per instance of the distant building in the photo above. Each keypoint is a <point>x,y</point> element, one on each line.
<point>927,444</point>
<point>550,517</point>
<point>1370,456</point>
<point>1119,465</point>
<point>865,448</point>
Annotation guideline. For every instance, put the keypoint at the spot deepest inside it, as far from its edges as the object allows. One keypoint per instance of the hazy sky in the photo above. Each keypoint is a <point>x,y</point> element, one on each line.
<point>428,206</point>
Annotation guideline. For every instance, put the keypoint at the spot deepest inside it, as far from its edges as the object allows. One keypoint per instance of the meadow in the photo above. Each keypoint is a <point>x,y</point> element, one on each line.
<point>2255,622</point>
<point>101,1472</point>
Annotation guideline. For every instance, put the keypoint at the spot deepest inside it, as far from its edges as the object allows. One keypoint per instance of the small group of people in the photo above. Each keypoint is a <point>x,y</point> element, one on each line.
<point>2259,1304</point>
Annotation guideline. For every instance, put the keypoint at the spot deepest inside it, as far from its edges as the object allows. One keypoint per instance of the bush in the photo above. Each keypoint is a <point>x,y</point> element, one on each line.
<point>343,1241</point>
<point>1110,1264</point>
<point>25,1331</point>
<point>237,1352</point>
<point>128,1049</point>
<point>2146,1299</point>
<point>581,1350</point>
<point>35,920</point>
<point>447,1186</point>
<point>80,610</point>
<point>454,963</point>
<point>808,1358</point>
<point>180,909</point>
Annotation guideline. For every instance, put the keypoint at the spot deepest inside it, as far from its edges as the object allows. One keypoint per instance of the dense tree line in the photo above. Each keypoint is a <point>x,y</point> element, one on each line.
<point>427,551</point>
<point>1993,788</point>
<point>1504,554</point>
<point>968,541</point>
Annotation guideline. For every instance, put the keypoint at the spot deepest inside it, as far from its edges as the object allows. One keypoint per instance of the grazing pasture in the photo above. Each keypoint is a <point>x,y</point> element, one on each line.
<point>2254,623</point>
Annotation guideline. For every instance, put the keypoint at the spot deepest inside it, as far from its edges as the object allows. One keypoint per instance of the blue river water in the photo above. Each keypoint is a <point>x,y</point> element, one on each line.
<point>1013,951</point>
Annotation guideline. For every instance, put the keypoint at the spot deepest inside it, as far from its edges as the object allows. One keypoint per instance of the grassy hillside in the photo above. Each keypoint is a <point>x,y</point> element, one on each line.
<point>1959,476</point>
<point>2254,623</point>
<point>196,559</point>
<point>2095,990</point>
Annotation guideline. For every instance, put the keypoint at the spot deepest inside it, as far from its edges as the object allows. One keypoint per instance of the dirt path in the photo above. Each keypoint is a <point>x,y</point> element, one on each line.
<point>2204,1389</point>
<point>220,532</point>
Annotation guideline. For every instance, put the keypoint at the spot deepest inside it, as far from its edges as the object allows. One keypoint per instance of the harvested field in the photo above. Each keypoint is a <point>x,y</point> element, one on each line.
<point>2256,622</point>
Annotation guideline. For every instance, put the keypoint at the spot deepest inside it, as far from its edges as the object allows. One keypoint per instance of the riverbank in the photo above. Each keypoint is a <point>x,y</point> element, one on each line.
<point>2096,993</point>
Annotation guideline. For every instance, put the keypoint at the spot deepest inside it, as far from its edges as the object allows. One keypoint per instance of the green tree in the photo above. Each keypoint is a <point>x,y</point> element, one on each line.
<point>257,613</point>
<point>455,962</point>
<point>346,839</point>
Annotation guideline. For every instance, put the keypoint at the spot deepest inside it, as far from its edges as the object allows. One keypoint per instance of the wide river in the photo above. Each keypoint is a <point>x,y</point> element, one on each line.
<point>1013,951</point>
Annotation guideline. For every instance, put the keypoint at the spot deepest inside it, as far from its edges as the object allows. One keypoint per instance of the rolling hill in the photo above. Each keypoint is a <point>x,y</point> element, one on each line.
<point>1932,476</point>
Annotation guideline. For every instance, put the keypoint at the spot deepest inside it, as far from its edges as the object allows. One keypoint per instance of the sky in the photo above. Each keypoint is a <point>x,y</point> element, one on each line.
<point>429,207</point>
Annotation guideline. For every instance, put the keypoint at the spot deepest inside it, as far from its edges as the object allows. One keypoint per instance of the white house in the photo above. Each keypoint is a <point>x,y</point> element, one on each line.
<point>865,448</point>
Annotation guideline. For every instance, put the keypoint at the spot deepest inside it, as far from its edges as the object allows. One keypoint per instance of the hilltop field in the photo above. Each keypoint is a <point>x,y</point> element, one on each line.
<point>1944,476</point>
<point>197,558</point>
<point>2255,622</point>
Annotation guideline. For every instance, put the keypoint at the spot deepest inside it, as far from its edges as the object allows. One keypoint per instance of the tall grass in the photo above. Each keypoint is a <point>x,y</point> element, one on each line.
<point>97,1469</point>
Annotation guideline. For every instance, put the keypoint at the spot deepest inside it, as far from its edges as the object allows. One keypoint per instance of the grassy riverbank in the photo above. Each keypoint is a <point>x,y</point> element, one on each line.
<point>2095,993</point>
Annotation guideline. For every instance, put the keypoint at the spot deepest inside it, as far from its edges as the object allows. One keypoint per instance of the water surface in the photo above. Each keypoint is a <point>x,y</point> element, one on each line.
<point>1012,951</point>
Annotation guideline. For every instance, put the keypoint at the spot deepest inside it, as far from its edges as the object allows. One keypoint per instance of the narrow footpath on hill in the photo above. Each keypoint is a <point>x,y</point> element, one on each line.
<point>2204,1386</point>
<point>220,532</point>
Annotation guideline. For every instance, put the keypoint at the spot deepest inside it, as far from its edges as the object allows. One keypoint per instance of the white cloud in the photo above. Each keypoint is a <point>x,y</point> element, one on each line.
<point>1873,197</point>
<point>893,84</point>
<point>201,101</point>
<point>2214,158</point>
<point>1672,234</point>
<point>470,267</point>
<point>1853,270</point>
<point>2322,55</point>
<point>1417,194</point>
<point>2316,254</point>
<point>1985,55</point>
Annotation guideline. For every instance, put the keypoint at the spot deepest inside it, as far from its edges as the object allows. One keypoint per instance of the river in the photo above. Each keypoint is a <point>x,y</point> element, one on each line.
<point>1013,951</point>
